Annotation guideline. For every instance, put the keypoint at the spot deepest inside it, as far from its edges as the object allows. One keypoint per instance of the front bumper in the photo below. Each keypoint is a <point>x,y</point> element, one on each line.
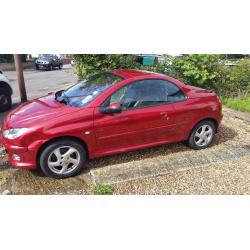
<point>27,156</point>
<point>42,66</point>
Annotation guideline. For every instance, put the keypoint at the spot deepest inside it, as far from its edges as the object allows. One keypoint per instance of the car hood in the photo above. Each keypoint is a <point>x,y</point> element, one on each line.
<point>37,112</point>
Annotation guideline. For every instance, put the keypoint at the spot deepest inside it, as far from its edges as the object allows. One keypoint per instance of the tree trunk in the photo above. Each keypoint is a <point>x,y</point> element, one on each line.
<point>20,78</point>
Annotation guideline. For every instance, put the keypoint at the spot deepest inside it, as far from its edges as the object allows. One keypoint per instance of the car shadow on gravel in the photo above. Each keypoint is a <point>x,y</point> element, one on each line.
<point>225,134</point>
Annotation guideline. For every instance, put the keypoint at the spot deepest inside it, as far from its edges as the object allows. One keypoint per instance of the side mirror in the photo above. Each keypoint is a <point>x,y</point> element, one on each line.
<point>111,109</point>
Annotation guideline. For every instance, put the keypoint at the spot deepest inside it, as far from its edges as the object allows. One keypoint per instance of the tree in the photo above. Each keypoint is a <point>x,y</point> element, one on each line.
<point>87,65</point>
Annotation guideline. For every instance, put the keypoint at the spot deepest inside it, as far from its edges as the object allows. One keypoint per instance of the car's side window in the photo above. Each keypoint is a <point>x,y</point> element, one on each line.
<point>175,94</point>
<point>117,97</point>
<point>146,93</point>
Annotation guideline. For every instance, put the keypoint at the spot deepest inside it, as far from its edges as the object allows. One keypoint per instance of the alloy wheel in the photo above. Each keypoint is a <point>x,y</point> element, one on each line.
<point>203,135</point>
<point>64,160</point>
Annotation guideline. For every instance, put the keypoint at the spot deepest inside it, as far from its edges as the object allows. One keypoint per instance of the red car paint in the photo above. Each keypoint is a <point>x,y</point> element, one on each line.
<point>106,133</point>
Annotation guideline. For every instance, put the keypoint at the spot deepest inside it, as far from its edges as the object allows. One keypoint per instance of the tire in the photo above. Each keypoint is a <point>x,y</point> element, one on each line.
<point>37,67</point>
<point>51,162</point>
<point>202,135</point>
<point>5,100</point>
<point>50,67</point>
<point>60,66</point>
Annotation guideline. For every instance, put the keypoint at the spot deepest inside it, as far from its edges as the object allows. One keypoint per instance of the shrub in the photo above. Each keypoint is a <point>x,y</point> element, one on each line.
<point>23,57</point>
<point>233,56</point>
<point>163,67</point>
<point>202,70</point>
<point>103,189</point>
<point>239,78</point>
<point>87,65</point>
<point>8,58</point>
<point>197,69</point>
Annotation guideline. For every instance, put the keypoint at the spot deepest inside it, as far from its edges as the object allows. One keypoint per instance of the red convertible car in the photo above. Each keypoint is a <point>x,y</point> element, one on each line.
<point>108,113</point>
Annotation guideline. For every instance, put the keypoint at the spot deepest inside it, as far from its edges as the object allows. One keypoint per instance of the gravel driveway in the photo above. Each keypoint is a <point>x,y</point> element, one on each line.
<point>223,168</point>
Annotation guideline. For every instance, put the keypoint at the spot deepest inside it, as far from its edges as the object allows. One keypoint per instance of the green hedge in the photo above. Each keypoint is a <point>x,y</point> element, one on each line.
<point>202,70</point>
<point>8,58</point>
<point>87,65</point>
<point>239,78</point>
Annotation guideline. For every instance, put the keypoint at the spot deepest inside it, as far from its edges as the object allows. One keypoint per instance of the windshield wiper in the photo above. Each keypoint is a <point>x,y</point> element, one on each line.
<point>66,100</point>
<point>61,97</point>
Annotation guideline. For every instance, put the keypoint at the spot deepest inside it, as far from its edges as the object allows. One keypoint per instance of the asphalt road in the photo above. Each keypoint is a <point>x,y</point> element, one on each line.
<point>39,83</point>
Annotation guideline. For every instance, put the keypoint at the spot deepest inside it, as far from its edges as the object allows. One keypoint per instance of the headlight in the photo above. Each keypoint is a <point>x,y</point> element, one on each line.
<point>46,62</point>
<point>14,133</point>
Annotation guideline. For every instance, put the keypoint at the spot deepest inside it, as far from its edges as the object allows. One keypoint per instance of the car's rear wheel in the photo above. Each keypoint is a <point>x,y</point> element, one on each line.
<point>63,158</point>
<point>5,100</point>
<point>202,135</point>
<point>60,66</point>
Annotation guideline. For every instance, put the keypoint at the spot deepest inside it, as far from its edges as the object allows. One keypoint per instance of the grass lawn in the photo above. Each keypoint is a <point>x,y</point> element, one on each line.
<point>241,104</point>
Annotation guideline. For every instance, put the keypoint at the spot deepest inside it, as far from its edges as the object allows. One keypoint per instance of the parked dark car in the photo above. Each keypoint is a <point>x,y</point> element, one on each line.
<point>5,93</point>
<point>49,62</point>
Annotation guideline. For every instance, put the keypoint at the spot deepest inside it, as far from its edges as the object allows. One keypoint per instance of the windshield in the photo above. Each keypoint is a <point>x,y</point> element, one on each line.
<point>45,57</point>
<point>81,94</point>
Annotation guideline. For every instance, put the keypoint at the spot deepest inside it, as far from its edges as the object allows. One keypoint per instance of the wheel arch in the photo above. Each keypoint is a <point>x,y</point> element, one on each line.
<point>76,139</point>
<point>6,86</point>
<point>216,124</point>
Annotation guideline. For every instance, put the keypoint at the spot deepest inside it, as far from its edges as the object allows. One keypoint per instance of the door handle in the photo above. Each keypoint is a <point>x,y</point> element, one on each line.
<point>164,115</point>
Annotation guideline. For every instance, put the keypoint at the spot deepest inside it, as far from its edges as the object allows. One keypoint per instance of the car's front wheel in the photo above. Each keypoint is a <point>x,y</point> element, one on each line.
<point>202,135</point>
<point>5,100</point>
<point>63,158</point>
<point>50,67</point>
<point>60,66</point>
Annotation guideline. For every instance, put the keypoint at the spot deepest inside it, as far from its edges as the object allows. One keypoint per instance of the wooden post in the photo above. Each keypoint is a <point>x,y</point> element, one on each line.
<point>20,78</point>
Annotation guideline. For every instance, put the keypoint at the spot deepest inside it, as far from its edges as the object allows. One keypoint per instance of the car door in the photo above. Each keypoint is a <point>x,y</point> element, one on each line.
<point>55,61</point>
<point>147,117</point>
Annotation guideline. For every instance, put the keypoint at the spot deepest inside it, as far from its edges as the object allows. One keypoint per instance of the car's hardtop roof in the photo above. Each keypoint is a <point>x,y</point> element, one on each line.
<point>131,73</point>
